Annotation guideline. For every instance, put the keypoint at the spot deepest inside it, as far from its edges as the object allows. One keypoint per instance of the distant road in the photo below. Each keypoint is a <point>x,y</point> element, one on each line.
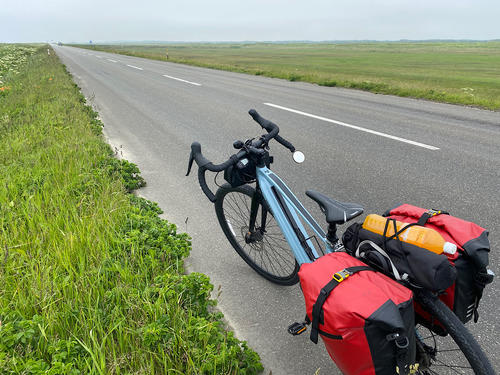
<point>371,149</point>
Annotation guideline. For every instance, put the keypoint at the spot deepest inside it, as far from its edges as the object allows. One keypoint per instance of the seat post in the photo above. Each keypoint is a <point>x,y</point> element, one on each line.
<point>332,233</point>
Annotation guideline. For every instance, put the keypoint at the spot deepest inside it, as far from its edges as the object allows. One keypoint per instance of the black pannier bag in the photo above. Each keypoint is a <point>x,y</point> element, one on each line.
<point>240,173</point>
<point>403,261</point>
<point>365,319</point>
<point>244,171</point>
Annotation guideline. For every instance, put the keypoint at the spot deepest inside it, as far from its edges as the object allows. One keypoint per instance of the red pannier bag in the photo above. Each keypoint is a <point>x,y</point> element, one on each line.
<point>470,260</point>
<point>366,319</point>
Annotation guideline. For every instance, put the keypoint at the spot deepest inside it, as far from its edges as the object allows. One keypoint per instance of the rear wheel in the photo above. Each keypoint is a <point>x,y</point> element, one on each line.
<point>265,249</point>
<point>457,353</point>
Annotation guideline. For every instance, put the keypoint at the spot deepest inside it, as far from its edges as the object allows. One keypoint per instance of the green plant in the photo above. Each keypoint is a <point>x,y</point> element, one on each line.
<point>92,279</point>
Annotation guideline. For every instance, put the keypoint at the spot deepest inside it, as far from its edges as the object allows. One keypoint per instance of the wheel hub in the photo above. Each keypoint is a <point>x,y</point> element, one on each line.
<point>252,237</point>
<point>425,355</point>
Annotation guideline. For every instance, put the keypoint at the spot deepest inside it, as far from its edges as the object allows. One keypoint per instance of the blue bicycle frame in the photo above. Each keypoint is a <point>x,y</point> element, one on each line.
<point>286,209</point>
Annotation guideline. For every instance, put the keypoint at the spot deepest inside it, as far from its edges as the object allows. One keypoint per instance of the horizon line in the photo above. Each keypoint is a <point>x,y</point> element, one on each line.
<point>278,41</point>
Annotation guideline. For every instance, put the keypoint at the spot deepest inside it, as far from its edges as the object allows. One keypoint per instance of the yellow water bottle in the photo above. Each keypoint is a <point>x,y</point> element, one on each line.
<point>426,238</point>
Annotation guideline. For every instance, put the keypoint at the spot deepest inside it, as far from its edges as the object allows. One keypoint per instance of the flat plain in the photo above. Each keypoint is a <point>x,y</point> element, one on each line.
<point>454,72</point>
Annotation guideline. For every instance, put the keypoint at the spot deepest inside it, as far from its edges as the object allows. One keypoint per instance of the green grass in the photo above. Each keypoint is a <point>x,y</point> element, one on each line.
<point>12,58</point>
<point>454,72</point>
<point>91,279</point>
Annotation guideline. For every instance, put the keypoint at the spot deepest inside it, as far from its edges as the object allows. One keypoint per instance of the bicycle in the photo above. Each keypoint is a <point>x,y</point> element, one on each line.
<point>263,223</point>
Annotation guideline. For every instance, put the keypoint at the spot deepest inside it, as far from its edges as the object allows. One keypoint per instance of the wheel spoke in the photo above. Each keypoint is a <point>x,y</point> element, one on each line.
<point>277,254</point>
<point>454,368</point>
<point>235,220</point>
<point>240,210</point>
<point>240,216</point>
<point>427,338</point>
<point>287,257</point>
<point>244,201</point>
<point>271,257</point>
<point>271,253</point>
<point>449,354</point>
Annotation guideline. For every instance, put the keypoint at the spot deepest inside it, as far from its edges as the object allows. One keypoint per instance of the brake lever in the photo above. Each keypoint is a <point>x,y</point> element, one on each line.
<point>190,164</point>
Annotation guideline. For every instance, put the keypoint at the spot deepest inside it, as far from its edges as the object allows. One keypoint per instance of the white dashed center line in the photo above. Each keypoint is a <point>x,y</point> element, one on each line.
<point>111,60</point>
<point>135,67</point>
<point>99,57</point>
<point>182,80</point>
<point>423,145</point>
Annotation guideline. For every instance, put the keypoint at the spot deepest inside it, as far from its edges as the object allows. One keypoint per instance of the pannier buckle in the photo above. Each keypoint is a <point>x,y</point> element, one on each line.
<point>341,275</point>
<point>433,212</point>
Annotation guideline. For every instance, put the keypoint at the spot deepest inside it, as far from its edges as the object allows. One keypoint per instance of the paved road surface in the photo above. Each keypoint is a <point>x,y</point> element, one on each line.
<point>372,149</point>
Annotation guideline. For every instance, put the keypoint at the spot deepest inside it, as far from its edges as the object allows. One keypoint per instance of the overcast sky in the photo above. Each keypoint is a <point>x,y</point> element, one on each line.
<point>257,20</point>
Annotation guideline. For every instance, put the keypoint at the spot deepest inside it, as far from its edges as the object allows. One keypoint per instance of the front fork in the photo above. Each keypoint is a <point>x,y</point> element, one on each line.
<point>252,235</point>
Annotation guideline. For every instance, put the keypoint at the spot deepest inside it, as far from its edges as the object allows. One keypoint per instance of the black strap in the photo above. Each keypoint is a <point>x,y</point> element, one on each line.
<point>481,279</point>
<point>428,214</point>
<point>402,344</point>
<point>386,227</point>
<point>330,336</point>
<point>396,232</point>
<point>401,358</point>
<point>395,236</point>
<point>337,278</point>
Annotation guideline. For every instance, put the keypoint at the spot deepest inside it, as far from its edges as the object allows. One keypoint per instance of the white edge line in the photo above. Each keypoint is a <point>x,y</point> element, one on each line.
<point>111,60</point>
<point>135,67</point>
<point>429,147</point>
<point>182,80</point>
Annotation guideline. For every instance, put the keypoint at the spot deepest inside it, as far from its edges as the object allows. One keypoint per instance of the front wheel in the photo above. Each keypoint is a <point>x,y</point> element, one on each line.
<point>264,248</point>
<point>457,353</point>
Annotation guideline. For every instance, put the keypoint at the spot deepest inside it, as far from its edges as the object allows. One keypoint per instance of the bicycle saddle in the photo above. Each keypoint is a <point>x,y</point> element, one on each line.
<point>336,212</point>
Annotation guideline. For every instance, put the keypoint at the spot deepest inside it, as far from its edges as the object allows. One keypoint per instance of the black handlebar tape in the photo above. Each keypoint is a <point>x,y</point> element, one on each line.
<point>198,156</point>
<point>204,164</point>
<point>270,126</point>
<point>266,124</point>
<point>213,168</point>
<point>207,164</point>
<point>272,134</point>
<point>203,184</point>
<point>285,143</point>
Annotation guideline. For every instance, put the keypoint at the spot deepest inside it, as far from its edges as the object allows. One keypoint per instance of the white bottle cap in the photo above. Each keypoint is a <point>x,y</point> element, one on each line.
<point>449,248</point>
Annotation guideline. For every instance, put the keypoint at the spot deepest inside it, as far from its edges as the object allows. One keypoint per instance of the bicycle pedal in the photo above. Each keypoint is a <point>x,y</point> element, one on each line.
<point>297,328</point>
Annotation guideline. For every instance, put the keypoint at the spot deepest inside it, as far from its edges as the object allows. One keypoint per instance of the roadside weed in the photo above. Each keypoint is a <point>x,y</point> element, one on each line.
<point>92,280</point>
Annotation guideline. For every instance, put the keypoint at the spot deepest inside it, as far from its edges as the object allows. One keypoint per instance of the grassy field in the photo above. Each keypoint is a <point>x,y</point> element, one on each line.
<point>455,72</point>
<point>91,279</point>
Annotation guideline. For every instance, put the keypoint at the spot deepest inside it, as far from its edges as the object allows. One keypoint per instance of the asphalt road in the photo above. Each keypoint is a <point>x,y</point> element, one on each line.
<point>448,158</point>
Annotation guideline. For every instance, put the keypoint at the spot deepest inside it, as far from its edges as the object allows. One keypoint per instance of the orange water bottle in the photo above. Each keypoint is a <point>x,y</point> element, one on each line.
<point>426,238</point>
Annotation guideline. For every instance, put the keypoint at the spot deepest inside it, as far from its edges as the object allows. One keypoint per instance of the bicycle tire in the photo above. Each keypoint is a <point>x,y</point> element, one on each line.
<point>270,247</point>
<point>461,336</point>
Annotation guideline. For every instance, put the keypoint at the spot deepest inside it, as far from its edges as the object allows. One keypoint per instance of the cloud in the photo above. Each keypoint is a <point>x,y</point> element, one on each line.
<point>194,20</point>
